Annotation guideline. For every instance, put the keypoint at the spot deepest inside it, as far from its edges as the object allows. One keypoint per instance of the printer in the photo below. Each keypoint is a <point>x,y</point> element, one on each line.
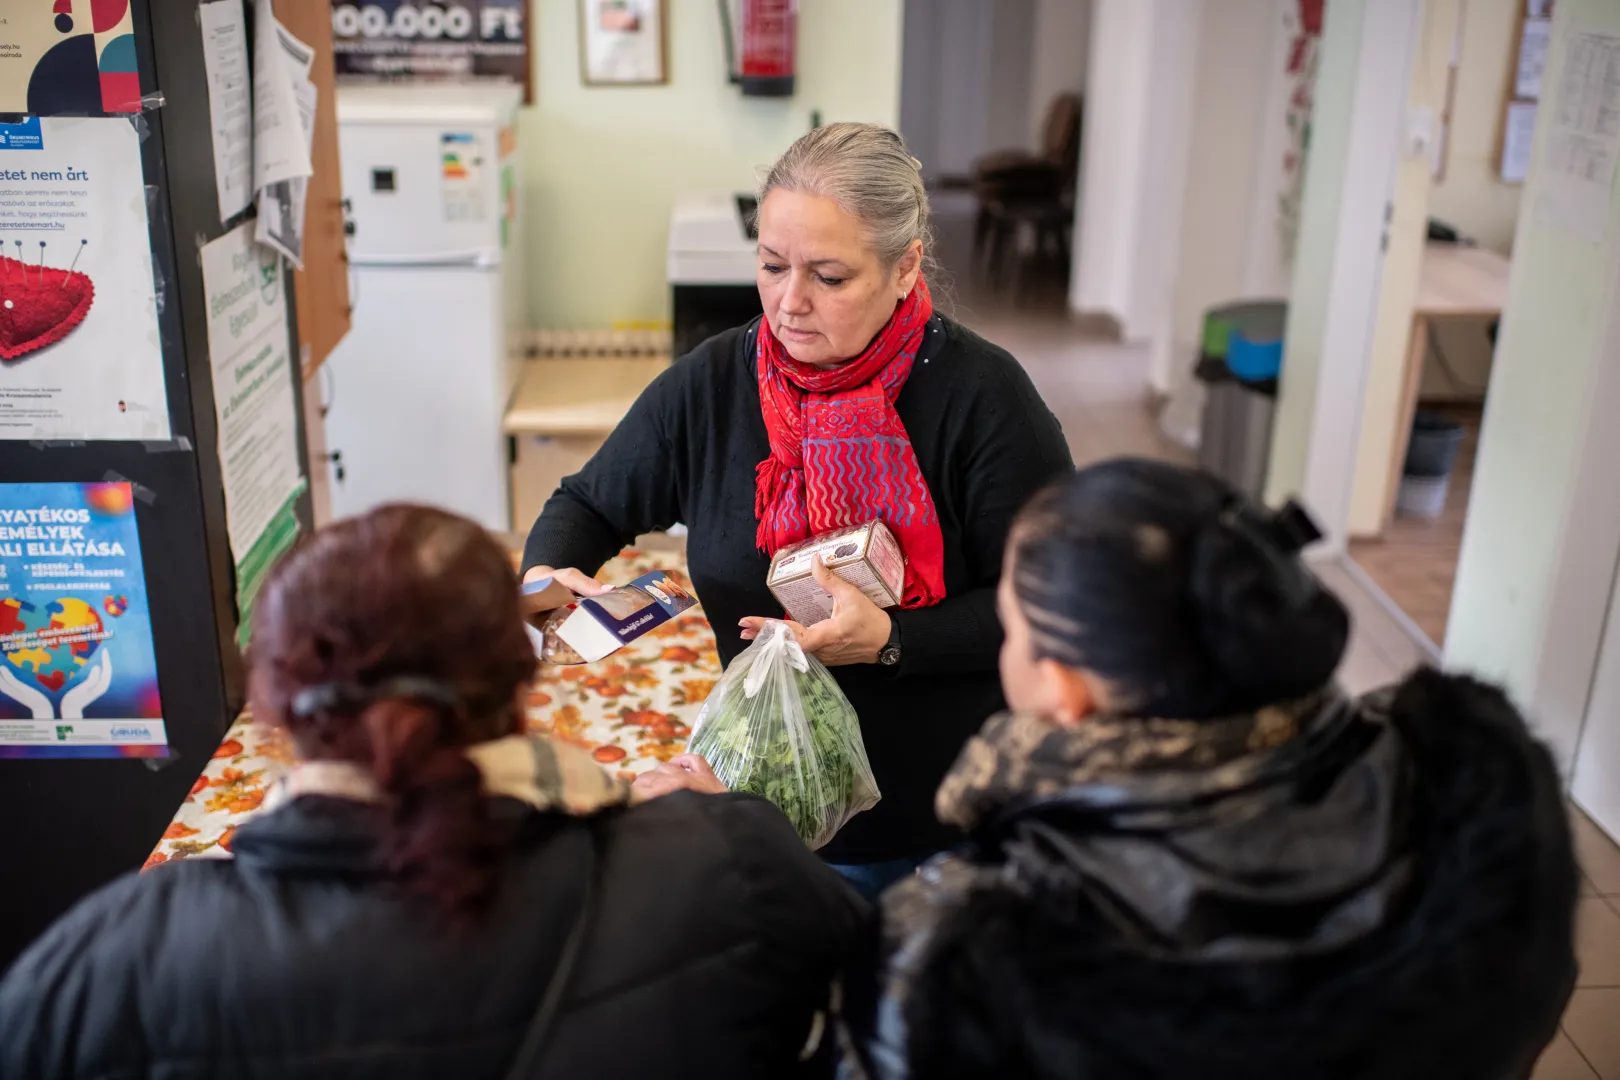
<point>711,266</point>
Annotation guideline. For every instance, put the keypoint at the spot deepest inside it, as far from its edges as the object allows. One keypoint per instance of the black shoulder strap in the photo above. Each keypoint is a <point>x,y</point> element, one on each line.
<point>534,1044</point>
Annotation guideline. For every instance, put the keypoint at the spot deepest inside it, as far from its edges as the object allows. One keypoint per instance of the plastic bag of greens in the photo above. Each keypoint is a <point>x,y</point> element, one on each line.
<point>778,725</point>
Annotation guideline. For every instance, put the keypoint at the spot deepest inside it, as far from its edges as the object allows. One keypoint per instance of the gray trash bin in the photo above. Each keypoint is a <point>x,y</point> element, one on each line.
<point>1431,457</point>
<point>1234,441</point>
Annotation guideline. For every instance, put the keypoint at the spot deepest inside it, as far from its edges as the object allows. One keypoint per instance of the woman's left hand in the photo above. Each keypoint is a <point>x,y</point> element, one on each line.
<point>856,633</point>
<point>684,772</point>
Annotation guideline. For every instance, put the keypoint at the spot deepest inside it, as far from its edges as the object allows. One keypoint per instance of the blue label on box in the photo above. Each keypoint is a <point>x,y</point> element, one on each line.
<point>669,599</point>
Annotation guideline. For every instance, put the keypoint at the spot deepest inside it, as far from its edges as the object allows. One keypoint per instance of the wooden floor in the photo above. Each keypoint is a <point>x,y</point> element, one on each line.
<point>1415,561</point>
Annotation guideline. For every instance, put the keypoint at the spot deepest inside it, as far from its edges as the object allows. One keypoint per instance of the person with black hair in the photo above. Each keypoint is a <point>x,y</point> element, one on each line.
<point>1191,855</point>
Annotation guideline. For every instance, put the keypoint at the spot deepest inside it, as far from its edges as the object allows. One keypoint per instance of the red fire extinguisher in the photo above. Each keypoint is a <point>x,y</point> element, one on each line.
<point>768,31</point>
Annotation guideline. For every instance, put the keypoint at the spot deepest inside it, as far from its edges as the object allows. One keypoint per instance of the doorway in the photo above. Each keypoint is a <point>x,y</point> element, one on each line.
<point>1454,211</point>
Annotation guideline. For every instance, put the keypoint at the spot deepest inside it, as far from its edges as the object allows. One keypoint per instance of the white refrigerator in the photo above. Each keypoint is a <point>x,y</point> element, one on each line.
<point>416,392</point>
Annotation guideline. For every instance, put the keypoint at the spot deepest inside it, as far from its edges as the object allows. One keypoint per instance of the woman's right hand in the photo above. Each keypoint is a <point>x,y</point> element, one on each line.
<point>578,583</point>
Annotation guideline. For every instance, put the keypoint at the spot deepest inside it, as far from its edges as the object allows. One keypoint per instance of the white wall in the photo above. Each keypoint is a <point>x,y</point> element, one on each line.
<point>1058,59</point>
<point>1356,134</point>
<point>1595,783</point>
<point>1407,234</point>
<point>1225,230</point>
<point>978,75</point>
<point>1543,531</point>
<point>603,165</point>
<point>1012,47</point>
<point>919,83</point>
<point>961,89</point>
<point>1471,195</point>
<point>1133,161</point>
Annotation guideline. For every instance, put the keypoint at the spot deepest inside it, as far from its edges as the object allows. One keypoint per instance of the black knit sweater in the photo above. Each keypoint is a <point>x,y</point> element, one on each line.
<point>686,452</point>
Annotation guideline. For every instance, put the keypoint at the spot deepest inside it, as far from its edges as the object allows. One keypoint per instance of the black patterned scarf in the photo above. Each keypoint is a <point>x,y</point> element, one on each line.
<point>1271,833</point>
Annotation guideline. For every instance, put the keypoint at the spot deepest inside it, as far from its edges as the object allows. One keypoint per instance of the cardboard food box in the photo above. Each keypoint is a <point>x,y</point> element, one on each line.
<point>545,594</point>
<point>587,629</point>
<point>867,556</point>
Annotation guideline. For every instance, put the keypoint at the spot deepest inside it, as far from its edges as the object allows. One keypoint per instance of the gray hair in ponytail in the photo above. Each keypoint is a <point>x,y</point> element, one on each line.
<point>866,169</point>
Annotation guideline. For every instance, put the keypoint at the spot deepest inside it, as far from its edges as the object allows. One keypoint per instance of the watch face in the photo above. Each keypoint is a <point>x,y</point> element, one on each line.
<point>890,656</point>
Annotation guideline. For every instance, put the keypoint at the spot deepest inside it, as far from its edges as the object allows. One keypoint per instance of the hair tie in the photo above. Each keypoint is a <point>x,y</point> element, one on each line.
<point>1290,529</point>
<point>352,696</point>
<point>1294,527</point>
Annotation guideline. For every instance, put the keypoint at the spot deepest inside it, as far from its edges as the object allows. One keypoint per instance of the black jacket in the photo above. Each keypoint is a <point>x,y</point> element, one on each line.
<point>686,452</point>
<point>714,937</point>
<point>1039,953</point>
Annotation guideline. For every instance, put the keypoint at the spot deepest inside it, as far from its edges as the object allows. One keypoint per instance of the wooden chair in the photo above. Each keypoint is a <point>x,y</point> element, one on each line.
<point>1016,188</point>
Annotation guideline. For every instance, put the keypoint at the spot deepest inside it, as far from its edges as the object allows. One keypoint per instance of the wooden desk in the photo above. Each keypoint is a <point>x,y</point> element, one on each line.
<point>560,414</point>
<point>581,395</point>
<point>1454,283</point>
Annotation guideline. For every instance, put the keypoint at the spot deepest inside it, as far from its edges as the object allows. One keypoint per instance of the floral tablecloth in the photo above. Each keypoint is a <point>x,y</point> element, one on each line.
<point>632,711</point>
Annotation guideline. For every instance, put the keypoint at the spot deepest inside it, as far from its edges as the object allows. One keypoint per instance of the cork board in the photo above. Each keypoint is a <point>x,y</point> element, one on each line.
<point>321,288</point>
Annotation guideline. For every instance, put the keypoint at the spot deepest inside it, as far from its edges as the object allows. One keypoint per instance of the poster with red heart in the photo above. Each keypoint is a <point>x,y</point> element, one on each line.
<point>80,355</point>
<point>68,58</point>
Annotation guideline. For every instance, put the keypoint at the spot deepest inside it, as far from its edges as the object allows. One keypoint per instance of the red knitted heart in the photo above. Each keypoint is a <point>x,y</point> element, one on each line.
<point>39,306</point>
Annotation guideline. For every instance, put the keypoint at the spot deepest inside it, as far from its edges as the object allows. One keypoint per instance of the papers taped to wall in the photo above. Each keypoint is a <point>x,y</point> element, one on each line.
<point>284,101</point>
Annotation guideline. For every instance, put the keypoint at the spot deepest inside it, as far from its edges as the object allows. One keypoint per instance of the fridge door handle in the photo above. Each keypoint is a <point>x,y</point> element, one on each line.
<point>480,259</point>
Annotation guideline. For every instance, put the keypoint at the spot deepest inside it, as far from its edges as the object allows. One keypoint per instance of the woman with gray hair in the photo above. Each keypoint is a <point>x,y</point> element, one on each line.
<point>851,399</point>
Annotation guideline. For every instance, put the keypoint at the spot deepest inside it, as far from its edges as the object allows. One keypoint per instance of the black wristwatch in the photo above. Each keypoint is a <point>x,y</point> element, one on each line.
<point>889,656</point>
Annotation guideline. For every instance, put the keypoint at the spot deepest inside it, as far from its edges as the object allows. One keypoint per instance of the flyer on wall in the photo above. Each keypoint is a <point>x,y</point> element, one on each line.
<point>250,351</point>
<point>80,356</point>
<point>78,671</point>
<point>284,100</point>
<point>73,58</point>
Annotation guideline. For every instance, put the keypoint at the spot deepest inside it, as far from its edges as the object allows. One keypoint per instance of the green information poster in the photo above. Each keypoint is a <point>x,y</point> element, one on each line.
<point>252,569</point>
<point>250,352</point>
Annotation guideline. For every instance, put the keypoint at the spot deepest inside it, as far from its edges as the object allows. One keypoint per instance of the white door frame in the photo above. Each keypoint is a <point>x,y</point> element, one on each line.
<point>1390,32</point>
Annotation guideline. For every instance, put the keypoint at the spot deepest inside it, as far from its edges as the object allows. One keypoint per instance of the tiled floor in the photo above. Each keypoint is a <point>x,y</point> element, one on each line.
<point>1415,561</point>
<point>1098,389</point>
<point>1588,1042</point>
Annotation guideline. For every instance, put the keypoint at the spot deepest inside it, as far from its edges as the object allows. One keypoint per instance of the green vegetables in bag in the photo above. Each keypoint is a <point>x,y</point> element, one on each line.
<point>778,726</point>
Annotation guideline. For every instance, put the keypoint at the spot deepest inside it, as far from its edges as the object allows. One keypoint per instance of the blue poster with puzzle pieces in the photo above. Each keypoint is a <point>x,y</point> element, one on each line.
<point>78,670</point>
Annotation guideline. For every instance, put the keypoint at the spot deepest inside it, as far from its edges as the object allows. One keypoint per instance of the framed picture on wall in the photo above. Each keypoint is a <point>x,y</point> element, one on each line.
<point>623,42</point>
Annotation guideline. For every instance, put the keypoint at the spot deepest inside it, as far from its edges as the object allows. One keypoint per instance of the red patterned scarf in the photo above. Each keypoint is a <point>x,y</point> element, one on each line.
<point>839,453</point>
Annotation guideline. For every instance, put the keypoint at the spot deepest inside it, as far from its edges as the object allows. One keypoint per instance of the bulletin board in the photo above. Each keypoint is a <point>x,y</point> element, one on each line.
<point>1523,96</point>
<point>321,288</point>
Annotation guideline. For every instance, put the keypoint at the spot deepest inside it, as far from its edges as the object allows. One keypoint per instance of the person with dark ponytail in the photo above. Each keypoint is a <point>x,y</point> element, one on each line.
<point>435,893</point>
<point>1190,854</point>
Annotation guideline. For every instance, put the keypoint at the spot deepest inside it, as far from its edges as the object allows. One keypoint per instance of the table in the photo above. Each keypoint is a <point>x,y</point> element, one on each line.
<point>560,413</point>
<point>579,395</point>
<point>1454,282</point>
<point>631,711</point>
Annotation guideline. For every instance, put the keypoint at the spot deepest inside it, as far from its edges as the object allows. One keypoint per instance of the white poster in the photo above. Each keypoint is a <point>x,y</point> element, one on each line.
<point>1583,146</point>
<point>1532,58</point>
<point>280,62</point>
<point>1517,141</point>
<point>253,385</point>
<point>284,101</point>
<point>230,103</point>
<point>80,356</point>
